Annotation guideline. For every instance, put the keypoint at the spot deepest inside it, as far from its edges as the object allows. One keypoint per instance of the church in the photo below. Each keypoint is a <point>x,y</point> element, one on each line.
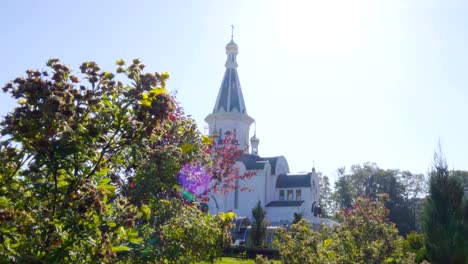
<point>280,192</point>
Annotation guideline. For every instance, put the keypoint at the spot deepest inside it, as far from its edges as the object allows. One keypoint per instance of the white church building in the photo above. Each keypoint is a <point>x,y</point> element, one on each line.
<point>280,192</point>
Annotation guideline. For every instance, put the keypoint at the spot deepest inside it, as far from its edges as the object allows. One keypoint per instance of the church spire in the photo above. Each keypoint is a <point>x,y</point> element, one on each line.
<point>230,98</point>
<point>229,112</point>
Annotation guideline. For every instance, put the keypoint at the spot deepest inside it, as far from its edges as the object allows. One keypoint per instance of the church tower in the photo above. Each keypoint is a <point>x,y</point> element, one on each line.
<point>229,112</point>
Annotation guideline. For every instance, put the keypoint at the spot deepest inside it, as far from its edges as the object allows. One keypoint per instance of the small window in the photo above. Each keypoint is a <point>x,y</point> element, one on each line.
<point>290,195</point>
<point>281,197</point>
<point>298,195</point>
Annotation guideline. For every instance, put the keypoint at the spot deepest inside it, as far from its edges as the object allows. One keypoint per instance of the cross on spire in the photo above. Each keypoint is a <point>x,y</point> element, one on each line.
<point>232,32</point>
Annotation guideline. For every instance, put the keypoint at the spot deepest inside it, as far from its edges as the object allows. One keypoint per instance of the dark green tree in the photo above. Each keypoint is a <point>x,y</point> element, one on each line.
<point>444,225</point>
<point>415,186</point>
<point>369,180</point>
<point>343,195</point>
<point>259,226</point>
<point>297,217</point>
<point>325,196</point>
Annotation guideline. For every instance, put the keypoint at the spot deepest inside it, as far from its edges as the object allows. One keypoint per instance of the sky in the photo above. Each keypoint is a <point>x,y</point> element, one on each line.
<point>329,83</point>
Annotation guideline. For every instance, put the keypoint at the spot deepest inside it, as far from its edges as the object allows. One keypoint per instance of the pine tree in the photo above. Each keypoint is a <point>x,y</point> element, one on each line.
<point>443,223</point>
<point>259,226</point>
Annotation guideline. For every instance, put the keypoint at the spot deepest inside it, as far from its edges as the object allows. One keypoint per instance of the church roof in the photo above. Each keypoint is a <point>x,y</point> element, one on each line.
<point>230,98</point>
<point>252,162</point>
<point>284,203</point>
<point>293,180</point>
<point>273,161</point>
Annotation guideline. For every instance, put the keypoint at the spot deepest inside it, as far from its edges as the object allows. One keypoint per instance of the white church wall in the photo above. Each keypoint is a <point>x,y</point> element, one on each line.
<point>231,121</point>
<point>278,215</point>
<point>248,199</point>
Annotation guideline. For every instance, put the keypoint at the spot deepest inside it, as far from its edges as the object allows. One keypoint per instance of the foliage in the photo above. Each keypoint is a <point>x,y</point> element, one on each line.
<point>403,188</point>
<point>262,260</point>
<point>225,173</point>
<point>299,245</point>
<point>444,225</point>
<point>259,226</point>
<point>90,170</point>
<point>462,176</point>
<point>325,201</point>
<point>297,217</point>
<point>190,236</point>
<point>414,243</point>
<point>226,222</point>
<point>343,195</point>
<point>365,236</point>
<point>62,142</point>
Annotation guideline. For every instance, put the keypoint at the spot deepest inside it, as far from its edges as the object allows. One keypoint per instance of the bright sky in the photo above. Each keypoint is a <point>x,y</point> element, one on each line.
<point>335,82</point>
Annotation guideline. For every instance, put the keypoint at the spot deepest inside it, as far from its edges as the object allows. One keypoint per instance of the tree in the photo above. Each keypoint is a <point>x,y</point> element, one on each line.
<point>365,236</point>
<point>325,196</point>
<point>343,195</point>
<point>444,226</point>
<point>259,226</point>
<point>414,187</point>
<point>299,245</point>
<point>414,243</point>
<point>224,172</point>
<point>369,180</point>
<point>87,164</point>
<point>297,217</point>
<point>69,145</point>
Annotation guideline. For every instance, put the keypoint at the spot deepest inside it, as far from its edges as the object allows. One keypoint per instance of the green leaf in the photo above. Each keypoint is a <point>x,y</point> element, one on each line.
<point>136,240</point>
<point>186,148</point>
<point>109,75</point>
<point>146,211</point>
<point>121,248</point>
<point>120,62</point>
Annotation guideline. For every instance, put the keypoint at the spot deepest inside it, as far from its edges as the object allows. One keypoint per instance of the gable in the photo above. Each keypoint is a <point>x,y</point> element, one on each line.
<point>293,181</point>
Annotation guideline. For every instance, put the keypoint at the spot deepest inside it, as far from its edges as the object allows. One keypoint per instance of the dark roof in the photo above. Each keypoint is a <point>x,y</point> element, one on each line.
<point>273,161</point>
<point>252,162</point>
<point>230,94</point>
<point>284,203</point>
<point>292,180</point>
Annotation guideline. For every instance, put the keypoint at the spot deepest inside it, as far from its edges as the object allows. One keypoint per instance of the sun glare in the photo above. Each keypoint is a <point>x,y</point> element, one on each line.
<point>320,27</point>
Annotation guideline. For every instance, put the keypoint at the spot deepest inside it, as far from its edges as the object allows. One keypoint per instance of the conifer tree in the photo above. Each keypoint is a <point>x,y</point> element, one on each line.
<point>443,222</point>
<point>259,226</point>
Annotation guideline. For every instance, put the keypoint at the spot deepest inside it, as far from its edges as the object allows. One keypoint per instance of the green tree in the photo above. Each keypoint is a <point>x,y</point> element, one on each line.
<point>325,196</point>
<point>259,226</point>
<point>65,140</point>
<point>299,245</point>
<point>87,164</point>
<point>415,187</point>
<point>444,225</point>
<point>297,217</point>
<point>462,177</point>
<point>365,236</point>
<point>343,195</point>
<point>414,243</point>
<point>369,180</point>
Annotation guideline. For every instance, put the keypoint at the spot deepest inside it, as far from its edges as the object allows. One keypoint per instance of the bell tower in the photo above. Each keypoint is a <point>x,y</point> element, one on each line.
<point>229,112</point>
